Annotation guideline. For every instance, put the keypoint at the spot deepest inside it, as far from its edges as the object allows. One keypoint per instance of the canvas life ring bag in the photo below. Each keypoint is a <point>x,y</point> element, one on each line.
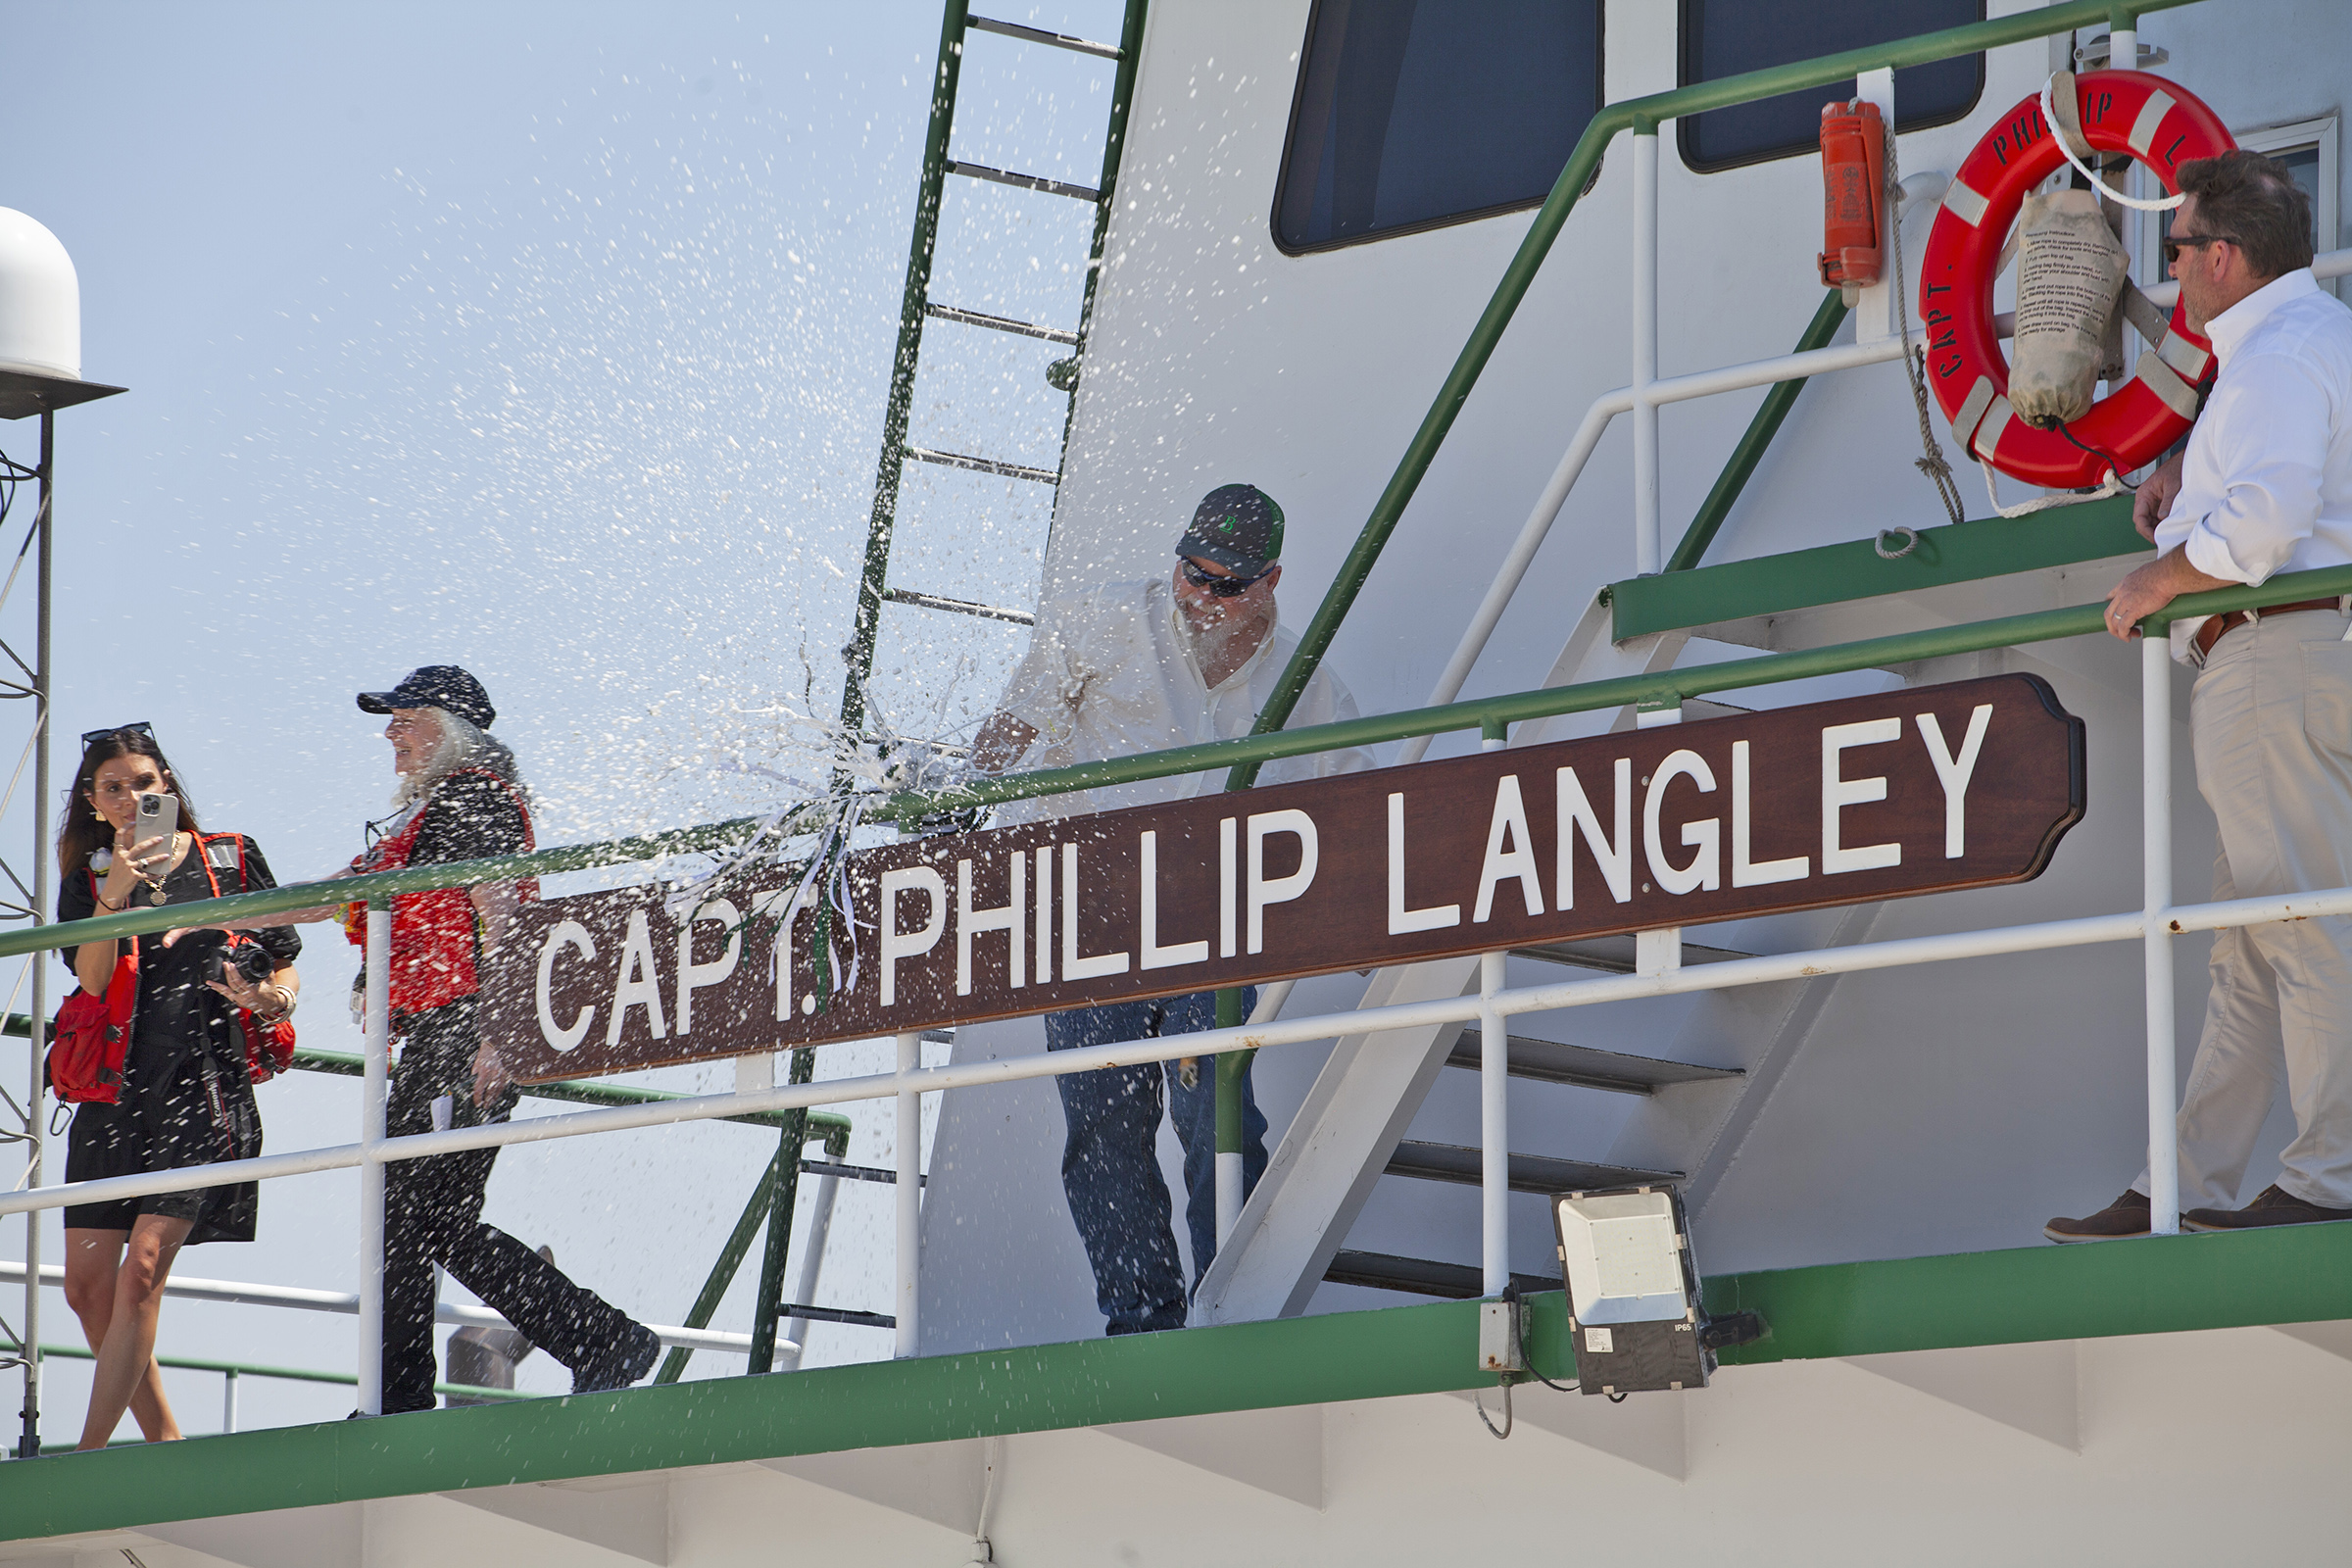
<point>2160,124</point>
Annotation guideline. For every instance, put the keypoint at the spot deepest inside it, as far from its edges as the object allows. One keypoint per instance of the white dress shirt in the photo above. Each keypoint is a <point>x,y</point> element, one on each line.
<point>1115,671</point>
<point>2267,482</point>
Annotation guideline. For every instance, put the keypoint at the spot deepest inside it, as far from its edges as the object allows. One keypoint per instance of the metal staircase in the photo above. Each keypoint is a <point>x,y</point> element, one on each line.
<point>1354,1130</point>
<point>899,446</point>
<point>1538,1060</point>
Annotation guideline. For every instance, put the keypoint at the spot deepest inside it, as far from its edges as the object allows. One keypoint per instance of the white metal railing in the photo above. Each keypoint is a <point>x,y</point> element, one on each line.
<point>1604,409</point>
<point>243,1292</point>
<point>2152,925</point>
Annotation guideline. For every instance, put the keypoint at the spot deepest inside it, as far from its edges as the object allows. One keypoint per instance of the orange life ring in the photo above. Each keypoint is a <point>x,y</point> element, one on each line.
<point>2163,126</point>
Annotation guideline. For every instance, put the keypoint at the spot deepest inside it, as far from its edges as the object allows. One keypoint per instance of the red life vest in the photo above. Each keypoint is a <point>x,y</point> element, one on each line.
<point>432,933</point>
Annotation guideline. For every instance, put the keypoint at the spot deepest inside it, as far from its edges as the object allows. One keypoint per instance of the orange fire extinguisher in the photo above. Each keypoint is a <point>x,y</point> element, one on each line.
<point>1853,186</point>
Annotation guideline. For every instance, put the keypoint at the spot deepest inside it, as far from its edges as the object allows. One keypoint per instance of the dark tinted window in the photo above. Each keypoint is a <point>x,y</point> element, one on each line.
<point>2303,166</point>
<point>1414,113</point>
<point>1724,37</point>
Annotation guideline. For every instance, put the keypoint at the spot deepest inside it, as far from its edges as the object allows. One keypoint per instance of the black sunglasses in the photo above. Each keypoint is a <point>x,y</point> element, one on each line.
<point>1222,587</point>
<point>92,737</point>
<point>2175,244</point>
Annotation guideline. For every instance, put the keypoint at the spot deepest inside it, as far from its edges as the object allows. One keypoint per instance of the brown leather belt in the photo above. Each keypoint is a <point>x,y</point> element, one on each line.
<point>2217,625</point>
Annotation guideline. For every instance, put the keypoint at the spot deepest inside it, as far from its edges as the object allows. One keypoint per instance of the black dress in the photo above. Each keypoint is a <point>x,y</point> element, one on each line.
<point>186,1099</point>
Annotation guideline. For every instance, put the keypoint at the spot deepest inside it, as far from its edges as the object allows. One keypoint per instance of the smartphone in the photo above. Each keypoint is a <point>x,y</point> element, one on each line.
<point>156,816</point>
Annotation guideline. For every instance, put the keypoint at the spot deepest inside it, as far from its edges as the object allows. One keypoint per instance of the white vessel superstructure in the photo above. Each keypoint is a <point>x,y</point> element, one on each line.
<point>1868,1109</point>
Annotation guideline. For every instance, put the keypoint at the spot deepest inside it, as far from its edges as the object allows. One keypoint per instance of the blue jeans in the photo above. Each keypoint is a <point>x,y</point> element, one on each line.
<point>1111,1164</point>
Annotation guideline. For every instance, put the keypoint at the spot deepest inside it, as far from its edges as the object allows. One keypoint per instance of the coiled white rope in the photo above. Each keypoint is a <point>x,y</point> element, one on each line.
<point>2049,115</point>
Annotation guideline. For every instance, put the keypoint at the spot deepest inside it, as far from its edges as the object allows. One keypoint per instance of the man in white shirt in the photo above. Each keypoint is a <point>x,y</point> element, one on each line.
<point>2264,487</point>
<point>1141,666</point>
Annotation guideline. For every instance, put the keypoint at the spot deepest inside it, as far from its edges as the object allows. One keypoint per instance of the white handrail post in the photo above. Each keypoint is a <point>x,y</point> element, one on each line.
<point>228,1400</point>
<point>1230,1175</point>
<point>1493,1127</point>
<point>909,1189</point>
<point>2156,853</point>
<point>1493,1106</point>
<point>1649,545</point>
<point>373,1091</point>
<point>794,1338</point>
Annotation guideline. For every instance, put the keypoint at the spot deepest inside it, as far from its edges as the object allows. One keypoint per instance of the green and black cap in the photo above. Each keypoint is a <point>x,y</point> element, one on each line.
<point>1238,526</point>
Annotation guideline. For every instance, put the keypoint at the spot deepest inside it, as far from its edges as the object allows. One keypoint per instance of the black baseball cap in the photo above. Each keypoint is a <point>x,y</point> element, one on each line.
<point>1238,526</point>
<point>442,686</point>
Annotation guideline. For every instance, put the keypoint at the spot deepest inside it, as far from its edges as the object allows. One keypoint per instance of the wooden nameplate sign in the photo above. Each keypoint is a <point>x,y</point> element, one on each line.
<point>1922,790</point>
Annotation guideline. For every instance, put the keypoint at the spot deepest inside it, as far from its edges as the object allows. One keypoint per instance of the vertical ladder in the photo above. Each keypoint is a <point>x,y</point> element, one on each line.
<point>917,306</point>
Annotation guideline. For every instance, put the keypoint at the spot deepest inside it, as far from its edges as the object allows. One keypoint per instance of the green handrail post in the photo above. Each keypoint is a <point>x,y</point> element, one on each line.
<point>1233,1066</point>
<point>738,1246</point>
<point>730,1258</point>
<point>1779,399</point>
<point>869,622</point>
<point>834,1125</point>
<point>1583,162</point>
<point>779,1224</point>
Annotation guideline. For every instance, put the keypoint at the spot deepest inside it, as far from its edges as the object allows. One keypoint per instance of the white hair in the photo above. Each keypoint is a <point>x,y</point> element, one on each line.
<point>460,744</point>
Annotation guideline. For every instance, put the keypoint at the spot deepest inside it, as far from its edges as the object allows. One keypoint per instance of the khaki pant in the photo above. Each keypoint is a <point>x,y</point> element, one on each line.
<point>2271,720</point>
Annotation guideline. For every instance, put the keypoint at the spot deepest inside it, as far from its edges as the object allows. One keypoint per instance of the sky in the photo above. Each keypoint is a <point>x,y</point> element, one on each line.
<point>549,340</point>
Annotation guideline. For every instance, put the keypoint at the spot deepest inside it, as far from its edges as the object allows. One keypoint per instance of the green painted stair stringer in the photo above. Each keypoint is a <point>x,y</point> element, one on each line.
<point>2165,1284</point>
<point>1964,552</point>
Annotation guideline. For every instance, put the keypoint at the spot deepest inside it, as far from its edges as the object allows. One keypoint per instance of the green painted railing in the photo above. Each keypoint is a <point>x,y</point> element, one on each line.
<point>831,1126</point>
<point>1642,114</point>
<point>1754,441</point>
<point>1486,715</point>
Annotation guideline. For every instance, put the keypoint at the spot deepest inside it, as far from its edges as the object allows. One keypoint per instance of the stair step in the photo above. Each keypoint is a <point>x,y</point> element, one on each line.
<point>1385,1271</point>
<point>856,1173</point>
<point>1057,41</point>
<point>1006,176</point>
<point>835,1314</point>
<point>1615,954</point>
<point>1001,324</point>
<point>1553,1062</point>
<point>1529,1173</point>
<point>960,607</point>
<point>1009,471</point>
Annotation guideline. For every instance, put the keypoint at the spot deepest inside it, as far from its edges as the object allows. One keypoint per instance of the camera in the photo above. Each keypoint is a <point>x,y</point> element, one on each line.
<point>249,959</point>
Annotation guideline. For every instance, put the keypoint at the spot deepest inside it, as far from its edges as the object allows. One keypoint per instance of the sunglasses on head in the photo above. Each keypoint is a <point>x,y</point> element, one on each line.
<point>1222,587</point>
<point>2175,244</point>
<point>92,737</point>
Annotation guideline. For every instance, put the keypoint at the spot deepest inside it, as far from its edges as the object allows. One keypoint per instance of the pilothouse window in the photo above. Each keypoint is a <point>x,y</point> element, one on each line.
<point>1726,37</point>
<point>1414,113</point>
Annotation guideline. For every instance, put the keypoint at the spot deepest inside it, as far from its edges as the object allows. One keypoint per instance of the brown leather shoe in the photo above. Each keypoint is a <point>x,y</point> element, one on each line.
<point>2271,1207</point>
<point>2128,1215</point>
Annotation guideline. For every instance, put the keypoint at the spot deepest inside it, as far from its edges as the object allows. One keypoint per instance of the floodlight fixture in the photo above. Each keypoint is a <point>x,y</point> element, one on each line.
<point>1634,1313</point>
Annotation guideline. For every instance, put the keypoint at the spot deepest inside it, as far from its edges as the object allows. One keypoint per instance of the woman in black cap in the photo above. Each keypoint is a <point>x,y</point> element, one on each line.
<point>184,1096</point>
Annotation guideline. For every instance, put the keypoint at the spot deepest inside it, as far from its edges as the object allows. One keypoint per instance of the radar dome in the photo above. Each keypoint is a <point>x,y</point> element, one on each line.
<point>40,301</point>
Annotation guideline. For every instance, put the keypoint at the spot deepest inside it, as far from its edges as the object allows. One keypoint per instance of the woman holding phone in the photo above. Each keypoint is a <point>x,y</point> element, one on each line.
<point>186,1098</point>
